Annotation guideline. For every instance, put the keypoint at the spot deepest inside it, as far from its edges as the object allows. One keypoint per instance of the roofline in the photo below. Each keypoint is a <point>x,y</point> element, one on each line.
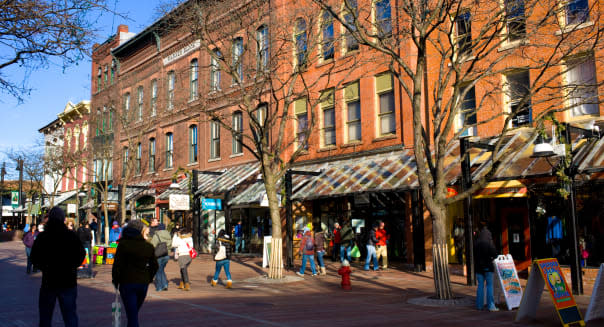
<point>41,130</point>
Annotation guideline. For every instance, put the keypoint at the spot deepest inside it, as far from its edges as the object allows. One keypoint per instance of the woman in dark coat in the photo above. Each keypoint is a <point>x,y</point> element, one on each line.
<point>484,254</point>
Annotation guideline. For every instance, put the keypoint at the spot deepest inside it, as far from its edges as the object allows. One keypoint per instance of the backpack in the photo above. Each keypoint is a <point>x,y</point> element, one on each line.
<point>309,246</point>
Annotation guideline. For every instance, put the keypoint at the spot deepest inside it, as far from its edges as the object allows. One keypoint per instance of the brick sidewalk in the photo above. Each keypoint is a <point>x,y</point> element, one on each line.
<point>377,299</point>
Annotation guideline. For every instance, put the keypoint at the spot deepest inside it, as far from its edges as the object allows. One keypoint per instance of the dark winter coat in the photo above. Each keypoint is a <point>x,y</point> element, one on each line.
<point>484,251</point>
<point>347,235</point>
<point>135,261</point>
<point>372,238</point>
<point>320,241</point>
<point>85,235</point>
<point>58,253</point>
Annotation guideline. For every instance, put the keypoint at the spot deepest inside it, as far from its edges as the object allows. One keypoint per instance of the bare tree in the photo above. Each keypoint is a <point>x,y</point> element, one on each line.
<point>447,54</point>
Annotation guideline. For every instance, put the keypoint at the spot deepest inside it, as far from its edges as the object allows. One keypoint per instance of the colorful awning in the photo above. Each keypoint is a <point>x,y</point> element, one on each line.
<point>502,189</point>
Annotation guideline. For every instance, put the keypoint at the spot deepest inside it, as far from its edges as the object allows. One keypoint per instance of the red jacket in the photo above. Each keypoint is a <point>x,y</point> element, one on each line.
<point>336,236</point>
<point>382,237</point>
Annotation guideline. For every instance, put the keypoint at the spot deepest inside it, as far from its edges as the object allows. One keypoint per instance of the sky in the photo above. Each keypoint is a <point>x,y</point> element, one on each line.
<point>54,87</point>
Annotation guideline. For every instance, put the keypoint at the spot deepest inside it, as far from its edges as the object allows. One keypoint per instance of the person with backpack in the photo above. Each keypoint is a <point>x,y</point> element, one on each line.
<point>162,242</point>
<point>320,249</point>
<point>371,242</point>
<point>222,256</point>
<point>307,249</point>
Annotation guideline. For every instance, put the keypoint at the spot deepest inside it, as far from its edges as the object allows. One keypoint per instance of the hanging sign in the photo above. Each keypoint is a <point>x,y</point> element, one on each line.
<point>547,273</point>
<point>14,199</point>
<point>179,202</point>
<point>595,310</point>
<point>509,283</point>
<point>71,208</point>
<point>211,204</point>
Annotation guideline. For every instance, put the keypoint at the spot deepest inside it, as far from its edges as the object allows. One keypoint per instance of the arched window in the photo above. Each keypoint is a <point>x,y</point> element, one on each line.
<point>193,143</point>
<point>301,40</point>
<point>193,79</point>
<point>262,46</point>
<point>215,71</point>
<point>327,36</point>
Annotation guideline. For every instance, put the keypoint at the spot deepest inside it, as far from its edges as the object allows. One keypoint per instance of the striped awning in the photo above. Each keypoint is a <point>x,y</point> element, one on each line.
<point>227,180</point>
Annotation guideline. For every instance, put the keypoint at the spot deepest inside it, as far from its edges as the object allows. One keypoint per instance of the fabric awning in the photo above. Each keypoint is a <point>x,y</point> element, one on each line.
<point>228,180</point>
<point>88,205</point>
<point>61,198</point>
<point>502,189</point>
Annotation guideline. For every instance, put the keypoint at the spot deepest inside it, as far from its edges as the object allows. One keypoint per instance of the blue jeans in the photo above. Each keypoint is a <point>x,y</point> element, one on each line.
<point>239,244</point>
<point>133,296</point>
<point>161,280</point>
<point>320,255</point>
<point>67,302</point>
<point>28,252</point>
<point>345,252</point>
<point>481,278</point>
<point>371,254</point>
<point>226,264</point>
<point>310,258</point>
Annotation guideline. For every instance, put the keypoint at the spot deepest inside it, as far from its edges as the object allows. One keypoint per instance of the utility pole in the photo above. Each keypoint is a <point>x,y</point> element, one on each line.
<point>21,199</point>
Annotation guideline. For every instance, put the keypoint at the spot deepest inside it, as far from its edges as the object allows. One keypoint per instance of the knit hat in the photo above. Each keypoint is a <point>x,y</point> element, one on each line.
<point>115,223</point>
<point>345,263</point>
<point>56,213</point>
<point>306,229</point>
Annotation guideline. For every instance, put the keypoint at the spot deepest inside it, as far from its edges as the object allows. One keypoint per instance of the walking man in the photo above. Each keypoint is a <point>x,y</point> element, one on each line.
<point>85,236</point>
<point>371,242</point>
<point>382,245</point>
<point>58,271</point>
<point>336,242</point>
<point>484,253</point>
<point>239,241</point>
<point>347,240</point>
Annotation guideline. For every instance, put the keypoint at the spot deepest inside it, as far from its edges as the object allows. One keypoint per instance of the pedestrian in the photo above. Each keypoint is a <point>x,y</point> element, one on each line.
<point>114,233</point>
<point>239,241</point>
<point>307,249</point>
<point>484,254</point>
<point>28,241</point>
<point>320,250</point>
<point>347,240</point>
<point>133,269</point>
<point>336,242</point>
<point>70,223</point>
<point>382,244</point>
<point>94,226</point>
<point>85,235</point>
<point>162,242</point>
<point>59,279</point>
<point>223,258</point>
<point>371,242</point>
<point>183,243</point>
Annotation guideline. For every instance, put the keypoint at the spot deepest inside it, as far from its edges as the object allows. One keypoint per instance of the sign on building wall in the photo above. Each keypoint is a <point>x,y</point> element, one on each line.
<point>182,52</point>
<point>211,204</point>
<point>71,208</point>
<point>179,202</point>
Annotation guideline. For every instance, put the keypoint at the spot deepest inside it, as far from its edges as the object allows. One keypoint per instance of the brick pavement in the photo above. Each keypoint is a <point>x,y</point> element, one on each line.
<point>377,299</point>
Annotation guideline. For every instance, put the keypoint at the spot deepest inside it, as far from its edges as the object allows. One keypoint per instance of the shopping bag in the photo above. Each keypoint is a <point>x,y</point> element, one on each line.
<point>355,252</point>
<point>221,254</point>
<point>192,252</point>
<point>116,310</point>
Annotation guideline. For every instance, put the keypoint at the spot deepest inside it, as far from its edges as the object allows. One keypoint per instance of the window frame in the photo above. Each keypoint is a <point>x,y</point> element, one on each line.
<point>327,36</point>
<point>513,19</point>
<point>215,70</point>
<point>152,149</point>
<point>300,34</point>
<point>513,100</point>
<point>585,92</point>
<point>572,17</point>
<point>154,93</point>
<point>327,103</point>
<point>237,56</point>
<point>193,148</point>
<point>169,150</point>
<point>351,100</point>
<point>350,42</point>
<point>193,79</point>
<point>214,139</point>
<point>262,44</point>
<point>237,138</point>
<point>170,89</point>
<point>462,112</point>
<point>301,114</point>
<point>379,22</point>
<point>125,158</point>
<point>139,153</point>
<point>464,40</point>
<point>140,92</point>
<point>388,90</point>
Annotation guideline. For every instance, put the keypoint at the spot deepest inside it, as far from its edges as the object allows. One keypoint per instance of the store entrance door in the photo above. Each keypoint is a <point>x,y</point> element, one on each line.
<point>516,235</point>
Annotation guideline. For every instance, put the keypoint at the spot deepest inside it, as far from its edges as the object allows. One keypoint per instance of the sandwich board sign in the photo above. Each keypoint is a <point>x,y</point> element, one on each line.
<point>547,273</point>
<point>508,282</point>
<point>595,310</point>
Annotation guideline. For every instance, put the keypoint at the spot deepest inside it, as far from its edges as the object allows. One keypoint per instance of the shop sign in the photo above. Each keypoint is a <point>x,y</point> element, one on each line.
<point>182,52</point>
<point>71,208</point>
<point>509,283</point>
<point>264,202</point>
<point>595,310</point>
<point>211,204</point>
<point>14,199</point>
<point>179,202</point>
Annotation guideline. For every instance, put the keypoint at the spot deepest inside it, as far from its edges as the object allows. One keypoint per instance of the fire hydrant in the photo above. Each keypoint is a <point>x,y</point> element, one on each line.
<point>345,272</point>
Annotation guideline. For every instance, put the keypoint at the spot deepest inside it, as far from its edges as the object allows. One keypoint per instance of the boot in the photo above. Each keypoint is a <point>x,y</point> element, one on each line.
<point>181,286</point>
<point>214,282</point>
<point>229,284</point>
<point>323,272</point>
<point>187,287</point>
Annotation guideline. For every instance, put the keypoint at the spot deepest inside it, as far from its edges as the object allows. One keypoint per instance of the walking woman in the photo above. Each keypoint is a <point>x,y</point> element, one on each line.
<point>183,243</point>
<point>320,250</point>
<point>28,240</point>
<point>222,256</point>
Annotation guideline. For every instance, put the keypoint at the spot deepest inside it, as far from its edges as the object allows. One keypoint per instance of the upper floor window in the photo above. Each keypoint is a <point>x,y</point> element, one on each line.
<point>125,158</point>
<point>385,94</point>
<point>140,96</point>
<point>301,113</point>
<point>215,70</point>
<point>99,122</point>
<point>153,97</point>
<point>577,12</point>
<point>193,143</point>
<point>301,40</point>
<point>515,19</point>
<point>463,25</point>
<point>237,60</point>
<point>260,114</point>
<point>113,67</point>
<point>262,46</point>
<point>193,79</point>
<point>152,155</point>
<point>214,139</point>
<point>353,108</point>
<point>127,105</point>
<point>383,18</point>
<point>109,114</point>
<point>582,88</point>
<point>237,129</point>
<point>171,86</point>
<point>169,150</point>
<point>99,80</point>
<point>518,91</point>
<point>350,17</point>
<point>329,117</point>
<point>106,75</point>
<point>139,152</point>
<point>327,34</point>
<point>467,113</point>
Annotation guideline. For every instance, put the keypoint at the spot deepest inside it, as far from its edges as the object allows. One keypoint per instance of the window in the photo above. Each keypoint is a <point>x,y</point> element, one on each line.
<point>329,117</point>
<point>152,155</point>
<point>171,85</point>
<point>126,106</point>
<point>139,151</point>
<point>518,91</point>
<point>301,113</point>
<point>300,38</point>
<point>215,71</point>
<point>104,119</point>
<point>515,19</point>
<point>125,161</point>
<point>383,18</point>
<point>193,79</point>
<point>110,120</point>
<point>98,79</point>
<point>237,60</point>
<point>262,46</point>
<point>577,12</point>
<point>353,106</point>
<point>99,122</point>
<point>463,23</point>
<point>106,79</point>
<point>140,103</point>
<point>327,35</point>
<point>153,97</point>
<point>113,66</point>
<point>193,143</point>
<point>467,113</point>
<point>261,114</point>
<point>385,93</point>
<point>169,148</point>
<point>215,140</point>
<point>582,87</point>
<point>237,129</point>
<point>350,16</point>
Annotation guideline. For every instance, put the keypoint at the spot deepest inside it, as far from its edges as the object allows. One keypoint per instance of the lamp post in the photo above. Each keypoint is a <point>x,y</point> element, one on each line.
<point>466,183</point>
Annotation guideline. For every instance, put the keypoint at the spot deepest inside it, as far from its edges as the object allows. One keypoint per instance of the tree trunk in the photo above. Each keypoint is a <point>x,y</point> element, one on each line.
<point>440,257</point>
<point>276,259</point>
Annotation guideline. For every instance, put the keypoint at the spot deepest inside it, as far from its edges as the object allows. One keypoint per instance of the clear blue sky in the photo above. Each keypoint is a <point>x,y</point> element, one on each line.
<point>53,87</point>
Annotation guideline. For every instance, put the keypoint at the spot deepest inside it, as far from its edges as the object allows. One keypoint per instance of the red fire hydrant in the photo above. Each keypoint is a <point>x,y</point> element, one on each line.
<point>345,272</point>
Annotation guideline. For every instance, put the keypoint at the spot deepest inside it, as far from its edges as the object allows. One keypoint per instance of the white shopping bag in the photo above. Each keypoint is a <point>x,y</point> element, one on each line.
<point>116,309</point>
